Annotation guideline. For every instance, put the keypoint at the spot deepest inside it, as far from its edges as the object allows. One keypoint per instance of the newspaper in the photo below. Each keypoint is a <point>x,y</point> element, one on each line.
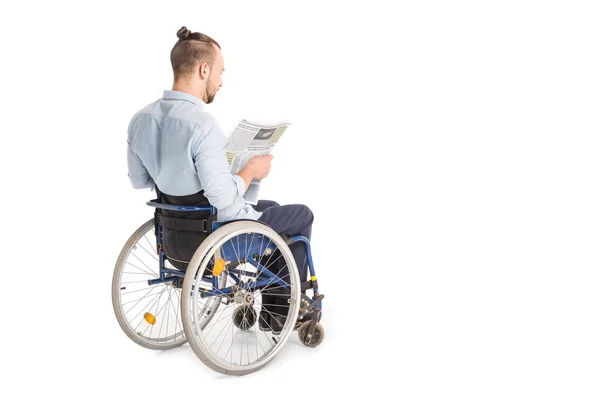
<point>248,140</point>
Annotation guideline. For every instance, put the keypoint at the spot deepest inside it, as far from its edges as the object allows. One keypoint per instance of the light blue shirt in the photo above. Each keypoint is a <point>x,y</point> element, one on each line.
<point>175,144</point>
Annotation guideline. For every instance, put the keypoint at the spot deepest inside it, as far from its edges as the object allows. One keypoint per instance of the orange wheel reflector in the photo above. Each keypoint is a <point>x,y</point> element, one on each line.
<point>219,265</point>
<point>149,318</point>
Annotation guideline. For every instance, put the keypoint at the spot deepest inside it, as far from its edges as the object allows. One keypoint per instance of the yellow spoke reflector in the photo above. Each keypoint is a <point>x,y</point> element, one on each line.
<point>149,318</point>
<point>219,265</point>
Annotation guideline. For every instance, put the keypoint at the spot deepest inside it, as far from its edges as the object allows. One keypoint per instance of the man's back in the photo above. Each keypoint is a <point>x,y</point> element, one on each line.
<point>175,144</point>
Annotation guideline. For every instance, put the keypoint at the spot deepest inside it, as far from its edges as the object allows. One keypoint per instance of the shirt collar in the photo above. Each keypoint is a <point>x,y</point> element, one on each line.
<point>176,95</point>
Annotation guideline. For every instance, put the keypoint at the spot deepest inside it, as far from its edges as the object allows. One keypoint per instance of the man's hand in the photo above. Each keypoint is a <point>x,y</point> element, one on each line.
<point>258,167</point>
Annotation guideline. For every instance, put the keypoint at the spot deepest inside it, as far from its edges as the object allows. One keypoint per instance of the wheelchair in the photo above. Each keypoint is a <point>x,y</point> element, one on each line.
<point>241,276</point>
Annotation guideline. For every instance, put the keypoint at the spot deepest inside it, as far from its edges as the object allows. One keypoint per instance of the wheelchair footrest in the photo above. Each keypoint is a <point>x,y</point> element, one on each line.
<point>316,302</point>
<point>310,312</point>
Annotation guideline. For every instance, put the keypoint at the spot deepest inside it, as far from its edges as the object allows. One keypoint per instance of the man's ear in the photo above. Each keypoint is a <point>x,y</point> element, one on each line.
<point>204,71</point>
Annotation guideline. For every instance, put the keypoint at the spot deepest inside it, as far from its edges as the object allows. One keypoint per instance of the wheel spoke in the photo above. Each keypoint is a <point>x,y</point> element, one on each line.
<point>231,335</point>
<point>135,298</point>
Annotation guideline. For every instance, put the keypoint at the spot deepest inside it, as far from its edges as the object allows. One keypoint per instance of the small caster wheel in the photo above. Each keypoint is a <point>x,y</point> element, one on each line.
<point>317,337</point>
<point>244,317</point>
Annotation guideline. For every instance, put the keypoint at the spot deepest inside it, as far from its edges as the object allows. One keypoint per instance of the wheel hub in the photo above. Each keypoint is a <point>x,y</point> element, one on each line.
<point>242,297</point>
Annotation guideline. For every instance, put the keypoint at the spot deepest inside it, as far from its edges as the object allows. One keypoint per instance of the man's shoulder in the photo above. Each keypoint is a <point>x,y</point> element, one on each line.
<point>183,112</point>
<point>147,111</point>
<point>194,115</point>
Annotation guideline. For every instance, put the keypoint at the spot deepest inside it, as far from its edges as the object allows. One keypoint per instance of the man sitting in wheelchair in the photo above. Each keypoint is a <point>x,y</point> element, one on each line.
<point>177,148</point>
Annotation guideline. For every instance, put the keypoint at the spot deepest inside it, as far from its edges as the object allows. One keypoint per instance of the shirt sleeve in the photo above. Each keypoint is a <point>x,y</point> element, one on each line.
<point>138,174</point>
<point>221,187</point>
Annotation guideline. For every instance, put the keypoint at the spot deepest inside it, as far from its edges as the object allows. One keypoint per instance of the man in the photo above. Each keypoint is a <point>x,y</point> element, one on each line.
<point>177,147</point>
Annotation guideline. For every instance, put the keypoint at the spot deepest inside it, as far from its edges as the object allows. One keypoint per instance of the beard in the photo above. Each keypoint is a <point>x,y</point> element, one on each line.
<point>211,92</point>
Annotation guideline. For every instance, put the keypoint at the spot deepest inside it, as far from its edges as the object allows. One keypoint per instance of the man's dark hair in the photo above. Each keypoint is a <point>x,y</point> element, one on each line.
<point>190,50</point>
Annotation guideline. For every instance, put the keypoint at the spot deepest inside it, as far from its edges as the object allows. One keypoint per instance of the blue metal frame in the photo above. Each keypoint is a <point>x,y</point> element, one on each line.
<point>270,277</point>
<point>171,207</point>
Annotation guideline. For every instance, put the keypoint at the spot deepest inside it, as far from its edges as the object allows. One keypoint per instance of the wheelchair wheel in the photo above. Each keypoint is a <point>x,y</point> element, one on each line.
<point>149,314</point>
<point>254,263</point>
<point>314,340</point>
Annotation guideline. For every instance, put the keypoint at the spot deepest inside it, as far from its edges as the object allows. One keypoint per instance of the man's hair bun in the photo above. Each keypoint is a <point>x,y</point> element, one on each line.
<point>183,33</point>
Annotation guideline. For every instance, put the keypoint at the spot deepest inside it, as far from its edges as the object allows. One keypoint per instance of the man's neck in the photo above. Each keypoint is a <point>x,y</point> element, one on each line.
<point>190,89</point>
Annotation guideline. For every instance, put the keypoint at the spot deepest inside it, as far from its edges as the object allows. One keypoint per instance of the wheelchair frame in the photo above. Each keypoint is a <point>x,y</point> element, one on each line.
<point>270,277</point>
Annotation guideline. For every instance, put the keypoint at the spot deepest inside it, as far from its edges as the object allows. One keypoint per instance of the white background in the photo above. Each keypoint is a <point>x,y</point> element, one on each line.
<point>449,151</point>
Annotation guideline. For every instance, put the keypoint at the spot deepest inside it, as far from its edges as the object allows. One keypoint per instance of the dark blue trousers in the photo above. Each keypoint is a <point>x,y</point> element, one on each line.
<point>292,219</point>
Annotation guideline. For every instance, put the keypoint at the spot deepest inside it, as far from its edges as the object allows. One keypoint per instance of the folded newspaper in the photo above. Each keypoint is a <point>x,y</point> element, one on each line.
<point>248,140</point>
